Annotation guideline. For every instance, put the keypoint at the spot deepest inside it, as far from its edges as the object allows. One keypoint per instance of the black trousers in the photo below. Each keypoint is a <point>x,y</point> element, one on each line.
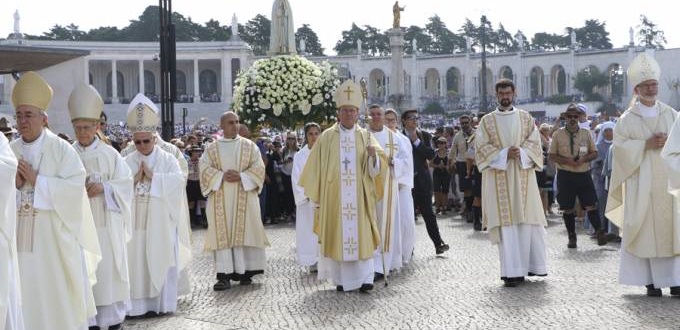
<point>423,201</point>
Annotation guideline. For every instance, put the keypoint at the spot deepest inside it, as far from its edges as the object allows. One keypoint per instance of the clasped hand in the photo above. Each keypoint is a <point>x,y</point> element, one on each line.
<point>657,141</point>
<point>143,172</point>
<point>25,173</point>
<point>232,176</point>
<point>514,153</point>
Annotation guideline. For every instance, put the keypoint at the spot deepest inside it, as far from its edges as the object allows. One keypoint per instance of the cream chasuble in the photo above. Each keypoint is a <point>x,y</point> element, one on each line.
<point>638,200</point>
<point>11,317</point>
<point>509,189</point>
<point>306,241</point>
<point>112,218</point>
<point>671,155</point>
<point>56,237</point>
<point>233,209</point>
<point>158,244</point>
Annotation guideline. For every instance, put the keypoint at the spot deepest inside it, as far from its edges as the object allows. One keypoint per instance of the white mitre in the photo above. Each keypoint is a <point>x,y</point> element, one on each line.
<point>85,103</point>
<point>142,115</point>
<point>642,68</point>
<point>348,94</point>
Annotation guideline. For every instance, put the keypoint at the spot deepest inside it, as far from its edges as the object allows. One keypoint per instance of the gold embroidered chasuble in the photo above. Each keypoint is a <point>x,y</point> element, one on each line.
<point>510,194</point>
<point>324,179</point>
<point>639,201</point>
<point>233,209</point>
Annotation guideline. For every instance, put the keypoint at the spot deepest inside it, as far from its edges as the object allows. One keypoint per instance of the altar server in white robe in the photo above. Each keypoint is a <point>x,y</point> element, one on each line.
<point>231,176</point>
<point>11,317</point>
<point>389,254</point>
<point>403,169</point>
<point>56,239</point>
<point>159,250</point>
<point>109,187</point>
<point>306,241</point>
<point>508,152</point>
<point>639,201</point>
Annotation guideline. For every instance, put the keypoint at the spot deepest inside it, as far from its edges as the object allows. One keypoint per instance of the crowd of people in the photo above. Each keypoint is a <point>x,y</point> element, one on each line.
<point>111,222</point>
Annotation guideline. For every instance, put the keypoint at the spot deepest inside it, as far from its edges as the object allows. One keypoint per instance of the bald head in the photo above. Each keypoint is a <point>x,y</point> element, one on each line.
<point>230,124</point>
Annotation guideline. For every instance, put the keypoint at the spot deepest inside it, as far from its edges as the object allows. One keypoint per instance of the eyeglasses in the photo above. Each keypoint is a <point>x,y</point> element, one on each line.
<point>412,117</point>
<point>145,141</point>
<point>572,116</point>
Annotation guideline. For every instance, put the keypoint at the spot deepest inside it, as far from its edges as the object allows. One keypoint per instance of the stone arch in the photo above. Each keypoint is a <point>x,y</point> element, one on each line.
<point>615,89</point>
<point>120,83</point>
<point>558,80</point>
<point>536,83</point>
<point>180,83</point>
<point>432,83</point>
<point>208,82</point>
<point>453,82</point>
<point>376,84</point>
<point>506,72</point>
<point>149,83</point>
<point>489,83</point>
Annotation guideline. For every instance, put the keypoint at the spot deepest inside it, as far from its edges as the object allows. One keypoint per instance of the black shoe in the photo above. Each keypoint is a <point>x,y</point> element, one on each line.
<point>442,248</point>
<point>477,226</point>
<point>378,277</point>
<point>222,285</point>
<point>601,237</point>
<point>572,241</point>
<point>652,292</point>
<point>613,238</point>
<point>118,326</point>
<point>509,283</point>
<point>246,281</point>
<point>94,327</point>
<point>366,287</point>
<point>532,274</point>
<point>675,291</point>
<point>339,288</point>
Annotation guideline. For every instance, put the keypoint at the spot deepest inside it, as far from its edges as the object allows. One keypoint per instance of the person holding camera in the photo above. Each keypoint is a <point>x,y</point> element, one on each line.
<point>572,149</point>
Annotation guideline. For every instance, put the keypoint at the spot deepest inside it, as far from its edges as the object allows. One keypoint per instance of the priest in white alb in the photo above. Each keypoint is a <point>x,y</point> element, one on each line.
<point>343,177</point>
<point>388,256</point>
<point>639,201</point>
<point>109,187</point>
<point>508,152</point>
<point>159,250</point>
<point>56,239</point>
<point>306,241</point>
<point>231,176</point>
<point>11,317</point>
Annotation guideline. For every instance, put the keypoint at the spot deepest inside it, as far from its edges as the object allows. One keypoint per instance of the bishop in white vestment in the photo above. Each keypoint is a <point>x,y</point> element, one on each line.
<point>109,187</point>
<point>508,152</point>
<point>11,317</point>
<point>159,250</point>
<point>56,239</point>
<point>639,201</point>
<point>232,175</point>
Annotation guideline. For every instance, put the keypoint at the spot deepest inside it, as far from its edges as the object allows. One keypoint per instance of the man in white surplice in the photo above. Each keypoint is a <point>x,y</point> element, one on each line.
<point>403,171</point>
<point>508,152</point>
<point>159,249</point>
<point>57,242</point>
<point>232,175</point>
<point>109,187</point>
<point>639,201</point>
<point>11,317</point>
<point>389,254</point>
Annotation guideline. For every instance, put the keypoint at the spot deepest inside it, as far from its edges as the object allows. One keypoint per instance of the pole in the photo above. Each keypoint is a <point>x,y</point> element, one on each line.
<point>168,68</point>
<point>482,27</point>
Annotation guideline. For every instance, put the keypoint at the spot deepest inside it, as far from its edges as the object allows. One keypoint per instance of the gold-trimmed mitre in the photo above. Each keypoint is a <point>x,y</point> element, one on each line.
<point>642,68</point>
<point>348,94</point>
<point>32,89</point>
<point>85,103</point>
<point>142,115</point>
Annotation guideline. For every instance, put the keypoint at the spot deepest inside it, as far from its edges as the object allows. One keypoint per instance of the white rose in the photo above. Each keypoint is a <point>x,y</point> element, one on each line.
<point>278,109</point>
<point>306,108</point>
<point>317,99</point>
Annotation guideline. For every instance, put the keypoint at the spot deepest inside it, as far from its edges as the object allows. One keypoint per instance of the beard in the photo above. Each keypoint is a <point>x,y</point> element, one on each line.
<point>505,102</point>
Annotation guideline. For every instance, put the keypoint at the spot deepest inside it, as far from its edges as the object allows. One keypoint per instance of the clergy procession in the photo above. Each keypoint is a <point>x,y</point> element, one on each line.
<point>92,236</point>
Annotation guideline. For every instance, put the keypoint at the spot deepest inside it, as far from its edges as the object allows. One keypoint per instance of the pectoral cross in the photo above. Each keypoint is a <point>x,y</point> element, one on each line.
<point>346,162</point>
<point>349,212</point>
<point>350,245</point>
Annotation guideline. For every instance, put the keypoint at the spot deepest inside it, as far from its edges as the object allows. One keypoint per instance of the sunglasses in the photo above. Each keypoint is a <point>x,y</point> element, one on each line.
<point>572,116</point>
<point>145,141</point>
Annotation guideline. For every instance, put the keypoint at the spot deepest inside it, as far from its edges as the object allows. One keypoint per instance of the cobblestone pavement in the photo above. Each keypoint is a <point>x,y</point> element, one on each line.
<point>459,290</point>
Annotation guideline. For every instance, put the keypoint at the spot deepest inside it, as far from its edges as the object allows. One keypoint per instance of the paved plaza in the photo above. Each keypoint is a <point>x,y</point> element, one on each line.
<point>459,290</point>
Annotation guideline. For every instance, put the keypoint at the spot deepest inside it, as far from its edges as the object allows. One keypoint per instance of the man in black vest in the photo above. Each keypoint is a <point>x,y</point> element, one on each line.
<point>421,142</point>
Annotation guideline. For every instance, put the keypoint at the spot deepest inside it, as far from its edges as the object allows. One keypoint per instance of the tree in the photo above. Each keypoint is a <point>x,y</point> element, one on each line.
<point>593,35</point>
<point>423,41</point>
<point>443,40</point>
<point>504,40</point>
<point>105,33</point>
<point>471,32</point>
<point>548,41</point>
<point>312,43</point>
<point>648,34</point>
<point>588,79</point>
<point>213,31</point>
<point>348,44</point>
<point>376,43</point>
<point>256,33</point>
<point>69,32</point>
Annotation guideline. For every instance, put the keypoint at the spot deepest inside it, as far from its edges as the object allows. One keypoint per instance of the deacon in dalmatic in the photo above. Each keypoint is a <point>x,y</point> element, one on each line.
<point>159,249</point>
<point>109,187</point>
<point>56,238</point>
<point>343,175</point>
<point>232,175</point>
<point>11,317</point>
<point>639,201</point>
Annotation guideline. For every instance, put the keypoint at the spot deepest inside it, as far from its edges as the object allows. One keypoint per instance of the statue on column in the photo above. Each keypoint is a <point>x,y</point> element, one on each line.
<point>631,34</point>
<point>17,31</point>
<point>573,38</point>
<point>414,45</point>
<point>359,46</point>
<point>234,28</point>
<point>520,40</point>
<point>282,37</point>
<point>303,46</point>
<point>396,10</point>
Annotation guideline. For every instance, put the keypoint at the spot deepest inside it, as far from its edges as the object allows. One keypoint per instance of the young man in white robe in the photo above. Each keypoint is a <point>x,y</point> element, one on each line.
<point>388,256</point>
<point>343,176</point>
<point>109,188</point>
<point>11,317</point>
<point>231,176</point>
<point>403,169</point>
<point>306,241</point>
<point>57,244</point>
<point>639,200</point>
<point>159,249</point>
<point>508,152</point>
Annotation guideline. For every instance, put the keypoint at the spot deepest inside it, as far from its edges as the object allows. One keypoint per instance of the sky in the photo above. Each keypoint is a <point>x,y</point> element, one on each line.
<point>329,18</point>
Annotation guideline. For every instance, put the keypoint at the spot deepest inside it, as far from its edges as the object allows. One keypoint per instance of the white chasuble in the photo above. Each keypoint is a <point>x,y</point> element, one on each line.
<point>403,169</point>
<point>112,218</point>
<point>56,237</point>
<point>11,317</point>
<point>158,250</point>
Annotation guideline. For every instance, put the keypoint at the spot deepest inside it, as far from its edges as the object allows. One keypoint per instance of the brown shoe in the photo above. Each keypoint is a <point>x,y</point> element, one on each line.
<point>601,237</point>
